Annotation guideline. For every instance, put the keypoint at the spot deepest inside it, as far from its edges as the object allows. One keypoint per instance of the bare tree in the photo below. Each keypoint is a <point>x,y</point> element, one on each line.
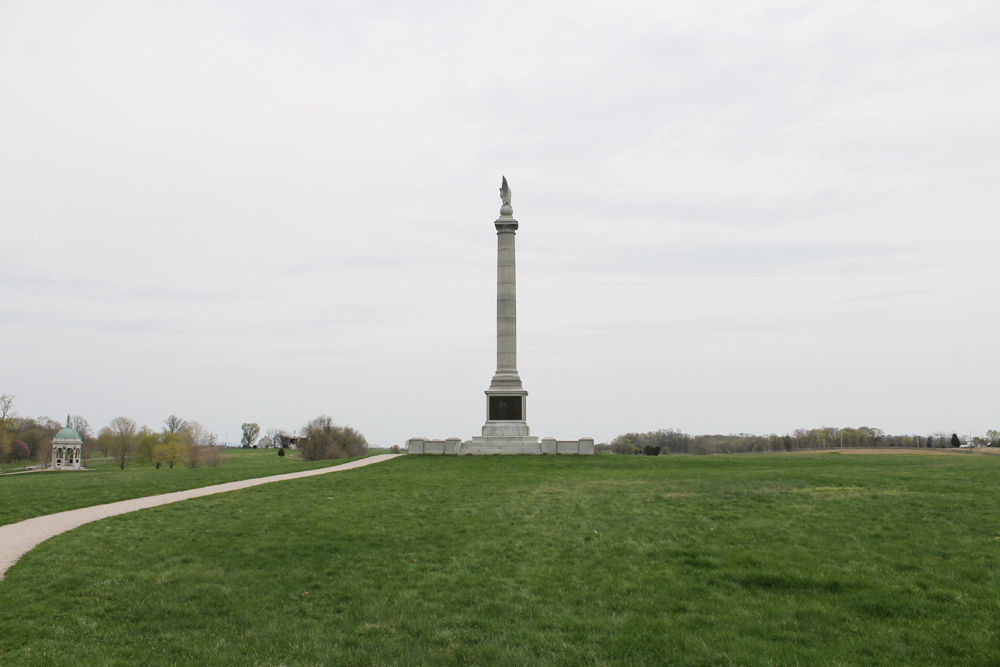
<point>174,424</point>
<point>199,434</point>
<point>44,451</point>
<point>124,439</point>
<point>214,457</point>
<point>6,417</point>
<point>104,440</point>
<point>250,433</point>
<point>192,455</point>
<point>198,437</point>
<point>81,426</point>
<point>278,436</point>
<point>50,424</point>
<point>6,411</point>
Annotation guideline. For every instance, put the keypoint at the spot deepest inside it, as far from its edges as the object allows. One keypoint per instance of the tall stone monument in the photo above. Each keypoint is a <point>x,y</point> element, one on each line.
<point>506,430</point>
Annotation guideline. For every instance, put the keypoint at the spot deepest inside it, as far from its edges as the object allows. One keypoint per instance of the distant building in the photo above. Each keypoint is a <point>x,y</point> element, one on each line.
<point>67,449</point>
<point>288,441</point>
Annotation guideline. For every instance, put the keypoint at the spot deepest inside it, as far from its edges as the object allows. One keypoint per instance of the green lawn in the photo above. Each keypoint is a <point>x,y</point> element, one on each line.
<point>33,494</point>
<point>814,559</point>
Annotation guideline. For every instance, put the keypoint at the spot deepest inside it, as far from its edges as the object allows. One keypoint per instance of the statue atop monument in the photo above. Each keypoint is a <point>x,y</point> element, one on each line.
<point>506,209</point>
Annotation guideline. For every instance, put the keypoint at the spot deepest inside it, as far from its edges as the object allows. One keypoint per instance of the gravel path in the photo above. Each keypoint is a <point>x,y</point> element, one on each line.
<point>17,539</point>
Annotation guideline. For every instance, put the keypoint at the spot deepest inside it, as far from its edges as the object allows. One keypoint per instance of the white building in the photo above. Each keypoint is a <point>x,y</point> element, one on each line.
<point>67,449</point>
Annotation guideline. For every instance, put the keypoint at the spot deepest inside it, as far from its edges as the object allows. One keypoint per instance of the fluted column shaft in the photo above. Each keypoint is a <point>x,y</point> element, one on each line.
<point>506,303</point>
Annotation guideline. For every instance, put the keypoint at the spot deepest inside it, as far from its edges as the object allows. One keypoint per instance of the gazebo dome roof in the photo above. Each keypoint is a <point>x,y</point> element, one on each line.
<point>68,434</point>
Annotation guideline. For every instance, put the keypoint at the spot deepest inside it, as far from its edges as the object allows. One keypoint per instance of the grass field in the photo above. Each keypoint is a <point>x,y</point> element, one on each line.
<point>33,494</point>
<point>813,559</point>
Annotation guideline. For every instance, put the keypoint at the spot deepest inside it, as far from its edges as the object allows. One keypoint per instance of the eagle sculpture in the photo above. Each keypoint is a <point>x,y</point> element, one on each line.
<point>505,192</point>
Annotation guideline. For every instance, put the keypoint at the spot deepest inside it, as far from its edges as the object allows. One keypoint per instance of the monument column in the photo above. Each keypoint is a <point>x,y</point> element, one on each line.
<point>506,296</point>
<point>506,403</point>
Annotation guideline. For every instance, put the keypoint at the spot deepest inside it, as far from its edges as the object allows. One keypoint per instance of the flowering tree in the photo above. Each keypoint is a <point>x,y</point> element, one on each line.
<point>19,450</point>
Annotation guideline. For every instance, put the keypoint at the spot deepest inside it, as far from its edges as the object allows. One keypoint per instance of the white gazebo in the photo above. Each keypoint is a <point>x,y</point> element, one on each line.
<point>67,449</point>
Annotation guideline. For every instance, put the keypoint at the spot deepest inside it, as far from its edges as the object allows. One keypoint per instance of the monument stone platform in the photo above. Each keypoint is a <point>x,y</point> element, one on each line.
<point>499,445</point>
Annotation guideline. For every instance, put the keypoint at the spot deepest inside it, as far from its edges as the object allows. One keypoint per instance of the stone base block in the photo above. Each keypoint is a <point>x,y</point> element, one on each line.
<point>502,445</point>
<point>517,429</point>
<point>498,444</point>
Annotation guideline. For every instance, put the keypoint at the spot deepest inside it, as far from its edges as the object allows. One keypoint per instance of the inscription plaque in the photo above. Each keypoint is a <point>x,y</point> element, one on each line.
<point>505,408</point>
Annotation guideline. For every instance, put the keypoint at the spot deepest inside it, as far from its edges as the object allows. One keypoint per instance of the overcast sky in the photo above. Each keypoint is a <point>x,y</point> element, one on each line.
<point>734,216</point>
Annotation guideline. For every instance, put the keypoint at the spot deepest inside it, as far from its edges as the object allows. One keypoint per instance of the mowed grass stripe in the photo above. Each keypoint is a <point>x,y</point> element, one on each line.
<point>756,560</point>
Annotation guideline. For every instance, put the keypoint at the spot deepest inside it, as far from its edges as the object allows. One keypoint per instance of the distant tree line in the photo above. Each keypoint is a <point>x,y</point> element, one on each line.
<point>26,439</point>
<point>179,442</point>
<point>30,439</point>
<point>672,441</point>
<point>187,443</point>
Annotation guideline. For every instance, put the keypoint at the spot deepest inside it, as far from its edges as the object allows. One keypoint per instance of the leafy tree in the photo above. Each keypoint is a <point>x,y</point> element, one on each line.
<point>159,448</point>
<point>150,449</point>
<point>873,436</point>
<point>623,445</point>
<point>993,437</point>
<point>955,442</point>
<point>124,438</point>
<point>19,450</point>
<point>173,448</point>
<point>250,433</point>
<point>33,437</point>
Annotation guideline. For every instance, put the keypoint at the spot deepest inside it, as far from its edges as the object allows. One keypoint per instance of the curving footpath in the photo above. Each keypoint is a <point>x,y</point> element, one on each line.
<point>17,539</point>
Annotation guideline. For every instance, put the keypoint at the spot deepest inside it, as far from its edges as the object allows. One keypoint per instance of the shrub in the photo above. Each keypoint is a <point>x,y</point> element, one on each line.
<point>622,445</point>
<point>213,456</point>
<point>394,449</point>
<point>192,458</point>
<point>281,452</point>
<point>323,439</point>
<point>651,450</point>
